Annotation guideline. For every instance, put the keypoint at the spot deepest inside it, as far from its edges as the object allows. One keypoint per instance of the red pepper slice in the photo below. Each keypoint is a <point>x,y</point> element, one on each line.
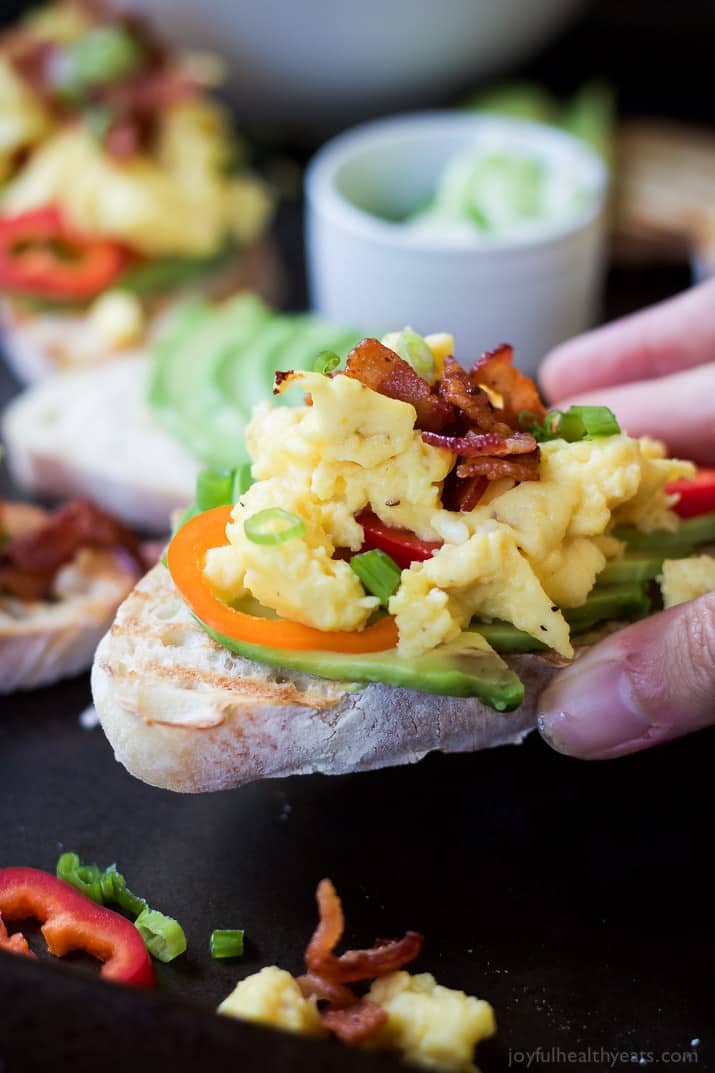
<point>70,921</point>
<point>402,545</point>
<point>43,256</point>
<point>696,496</point>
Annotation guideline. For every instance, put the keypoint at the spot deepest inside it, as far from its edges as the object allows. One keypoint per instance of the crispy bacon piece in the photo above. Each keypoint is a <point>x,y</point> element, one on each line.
<point>353,965</point>
<point>29,563</point>
<point>523,468</point>
<point>357,1023</point>
<point>338,995</point>
<point>386,372</point>
<point>462,494</point>
<point>473,444</point>
<point>454,385</point>
<point>494,369</point>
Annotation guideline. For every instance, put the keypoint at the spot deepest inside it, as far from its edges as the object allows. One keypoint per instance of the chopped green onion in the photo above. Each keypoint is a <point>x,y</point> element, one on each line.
<point>163,936</point>
<point>242,481</point>
<point>597,420</point>
<point>575,424</point>
<point>326,362</point>
<point>415,350</point>
<point>226,943</point>
<point>214,488</point>
<point>273,526</point>
<point>87,878</point>
<point>570,427</point>
<point>104,54</point>
<point>98,120</point>
<point>378,572</point>
<point>115,890</point>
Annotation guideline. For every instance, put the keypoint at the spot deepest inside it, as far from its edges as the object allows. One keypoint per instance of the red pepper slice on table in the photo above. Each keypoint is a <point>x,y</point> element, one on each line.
<point>402,545</point>
<point>185,558</point>
<point>696,496</point>
<point>71,921</point>
<point>42,256</point>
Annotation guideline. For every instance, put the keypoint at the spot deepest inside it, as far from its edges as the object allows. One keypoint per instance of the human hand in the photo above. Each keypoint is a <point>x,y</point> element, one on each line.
<point>654,680</point>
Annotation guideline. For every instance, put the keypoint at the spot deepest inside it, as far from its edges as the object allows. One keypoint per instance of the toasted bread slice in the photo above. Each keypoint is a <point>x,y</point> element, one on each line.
<point>44,640</point>
<point>185,714</point>
<point>37,344</point>
<point>91,434</point>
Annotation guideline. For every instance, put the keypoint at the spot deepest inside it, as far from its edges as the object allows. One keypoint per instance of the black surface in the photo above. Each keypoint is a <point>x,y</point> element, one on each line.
<point>573,896</point>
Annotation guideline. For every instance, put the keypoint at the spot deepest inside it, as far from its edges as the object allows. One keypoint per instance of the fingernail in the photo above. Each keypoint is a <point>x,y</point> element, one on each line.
<point>591,711</point>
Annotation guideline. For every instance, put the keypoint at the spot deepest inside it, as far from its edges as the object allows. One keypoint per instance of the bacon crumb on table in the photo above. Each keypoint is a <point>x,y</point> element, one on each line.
<point>351,1018</point>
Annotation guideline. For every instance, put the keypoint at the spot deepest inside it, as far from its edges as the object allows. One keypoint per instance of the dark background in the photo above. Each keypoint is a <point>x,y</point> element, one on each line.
<point>574,897</point>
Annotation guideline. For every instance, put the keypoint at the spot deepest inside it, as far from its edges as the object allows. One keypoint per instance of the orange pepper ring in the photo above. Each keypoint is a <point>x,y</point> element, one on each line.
<point>185,558</point>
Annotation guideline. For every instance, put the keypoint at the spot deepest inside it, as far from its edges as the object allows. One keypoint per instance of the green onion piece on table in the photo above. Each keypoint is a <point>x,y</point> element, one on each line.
<point>226,943</point>
<point>163,936</point>
<point>87,878</point>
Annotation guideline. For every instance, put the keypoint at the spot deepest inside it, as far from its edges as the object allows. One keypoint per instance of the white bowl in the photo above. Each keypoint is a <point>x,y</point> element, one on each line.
<point>312,65</point>
<point>531,289</point>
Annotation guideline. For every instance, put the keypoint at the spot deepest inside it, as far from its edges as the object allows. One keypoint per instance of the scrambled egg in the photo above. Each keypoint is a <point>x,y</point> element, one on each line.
<point>524,553</point>
<point>177,200</point>
<point>431,1025</point>
<point>686,579</point>
<point>272,997</point>
<point>24,120</point>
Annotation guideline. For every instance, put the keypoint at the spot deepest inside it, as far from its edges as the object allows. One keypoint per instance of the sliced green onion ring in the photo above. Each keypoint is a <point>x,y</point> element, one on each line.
<point>378,572</point>
<point>163,936</point>
<point>226,943</point>
<point>261,528</point>
<point>597,420</point>
<point>87,878</point>
<point>326,362</point>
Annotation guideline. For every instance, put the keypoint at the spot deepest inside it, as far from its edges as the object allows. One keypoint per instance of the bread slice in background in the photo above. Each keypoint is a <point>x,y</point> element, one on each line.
<point>91,434</point>
<point>42,641</point>
<point>183,713</point>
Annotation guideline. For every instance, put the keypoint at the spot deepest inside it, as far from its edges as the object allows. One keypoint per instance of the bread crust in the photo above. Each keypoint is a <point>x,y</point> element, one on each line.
<point>42,641</point>
<point>183,713</point>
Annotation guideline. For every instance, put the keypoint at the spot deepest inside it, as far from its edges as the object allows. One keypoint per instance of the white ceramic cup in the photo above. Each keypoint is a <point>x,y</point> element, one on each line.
<point>533,289</point>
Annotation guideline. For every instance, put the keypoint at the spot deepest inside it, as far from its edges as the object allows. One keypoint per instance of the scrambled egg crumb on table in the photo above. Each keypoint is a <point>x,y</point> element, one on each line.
<point>434,1026</point>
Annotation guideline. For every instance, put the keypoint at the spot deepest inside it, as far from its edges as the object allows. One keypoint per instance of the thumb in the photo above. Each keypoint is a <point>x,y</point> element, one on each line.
<point>644,685</point>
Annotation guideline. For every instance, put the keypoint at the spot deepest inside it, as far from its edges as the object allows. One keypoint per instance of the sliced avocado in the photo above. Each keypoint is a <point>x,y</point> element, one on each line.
<point>245,382</point>
<point>631,567</point>
<point>505,637</point>
<point>699,530</point>
<point>459,669</point>
<point>181,385</point>
<point>604,602</point>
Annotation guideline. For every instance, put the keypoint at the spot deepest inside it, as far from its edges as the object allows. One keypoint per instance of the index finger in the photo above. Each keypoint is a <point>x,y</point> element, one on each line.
<point>667,338</point>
